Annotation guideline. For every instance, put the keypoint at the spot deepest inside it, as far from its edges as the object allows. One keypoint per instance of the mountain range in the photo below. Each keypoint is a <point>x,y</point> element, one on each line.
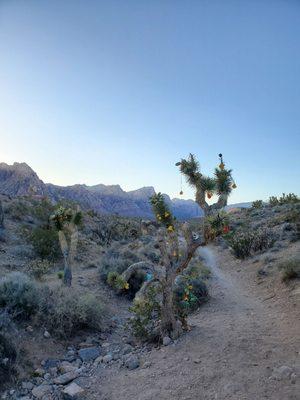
<point>19,179</point>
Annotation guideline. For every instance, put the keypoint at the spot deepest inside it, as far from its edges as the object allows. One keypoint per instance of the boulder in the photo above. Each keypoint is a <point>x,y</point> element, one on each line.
<point>40,391</point>
<point>73,391</point>
<point>67,377</point>
<point>132,363</point>
<point>89,354</point>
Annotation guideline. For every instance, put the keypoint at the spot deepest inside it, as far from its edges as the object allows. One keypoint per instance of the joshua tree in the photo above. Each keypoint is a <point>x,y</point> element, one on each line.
<point>174,261</point>
<point>221,184</point>
<point>66,222</point>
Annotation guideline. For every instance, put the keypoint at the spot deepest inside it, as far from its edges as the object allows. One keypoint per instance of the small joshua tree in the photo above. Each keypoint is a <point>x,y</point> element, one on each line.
<point>221,184</point>
<point>173,262</point>
<point>66,221</point>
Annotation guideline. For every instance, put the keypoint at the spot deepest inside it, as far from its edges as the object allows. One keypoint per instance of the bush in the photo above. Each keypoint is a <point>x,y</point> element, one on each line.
<point>290,269</point>
<point>244,243</point>
<point>116,261</point>
<point>189,294</point>
<point>263,239</point>
<point>290,198</point>
<point>257,204</point>
<point>19,295</point>
<point>38,268</point>
<point>63,313</point>
<point>146,316</point>
<point>45,243</point>
<point>8,356</point>
<point>241,244</point>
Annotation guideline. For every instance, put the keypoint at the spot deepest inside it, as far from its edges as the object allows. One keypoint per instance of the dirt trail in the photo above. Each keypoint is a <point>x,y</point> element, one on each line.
<point>235,343</point>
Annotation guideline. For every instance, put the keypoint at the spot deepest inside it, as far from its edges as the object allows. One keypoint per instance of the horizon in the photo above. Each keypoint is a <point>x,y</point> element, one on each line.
<point>117,93</point>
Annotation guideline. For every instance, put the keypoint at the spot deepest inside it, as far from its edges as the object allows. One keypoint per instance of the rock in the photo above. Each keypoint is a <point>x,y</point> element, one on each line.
<point>38,372</point>
<point>197,361</point>
<point>132,363</point>
<point>293,377</point>
<point>73,391</point>
<point>167,340</point>
<point>126,349</point>
<point>51,363</point>
<point>67,377</point>
<point>66,366</point>
<point>47,335</point>
<point>27,385</point>
<point>147,364</point>
<point>40,391</point>
<point>89,354</point>
<point>98,360</point>
<point>283,372</point>
<point>107,359</point>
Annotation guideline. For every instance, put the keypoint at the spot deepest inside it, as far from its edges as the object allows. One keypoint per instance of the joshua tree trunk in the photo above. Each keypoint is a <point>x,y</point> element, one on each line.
<point>169,322</point>
<point>65,251</point>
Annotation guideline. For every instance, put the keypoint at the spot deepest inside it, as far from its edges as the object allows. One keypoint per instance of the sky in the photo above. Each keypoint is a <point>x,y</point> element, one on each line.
<point>118,91</point>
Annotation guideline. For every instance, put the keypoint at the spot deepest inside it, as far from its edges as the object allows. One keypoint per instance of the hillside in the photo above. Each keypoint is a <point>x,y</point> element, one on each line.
<point>245,331</point>
<point>20,180</point>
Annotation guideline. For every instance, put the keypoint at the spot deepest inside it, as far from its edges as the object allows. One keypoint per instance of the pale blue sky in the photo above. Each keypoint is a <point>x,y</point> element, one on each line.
<point>118,91</point>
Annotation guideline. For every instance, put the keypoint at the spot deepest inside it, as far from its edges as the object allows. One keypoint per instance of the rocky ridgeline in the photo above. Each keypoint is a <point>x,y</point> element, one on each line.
<point>20,180</point>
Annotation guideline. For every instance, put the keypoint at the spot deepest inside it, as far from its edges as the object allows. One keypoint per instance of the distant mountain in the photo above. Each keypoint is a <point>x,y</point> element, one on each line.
<point>20,180</point>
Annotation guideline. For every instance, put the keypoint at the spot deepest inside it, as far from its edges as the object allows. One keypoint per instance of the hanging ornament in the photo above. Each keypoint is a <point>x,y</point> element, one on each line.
<point>209,195</point>
<point>221,165</point>
<point>234,186</point>
<point>181,192</point>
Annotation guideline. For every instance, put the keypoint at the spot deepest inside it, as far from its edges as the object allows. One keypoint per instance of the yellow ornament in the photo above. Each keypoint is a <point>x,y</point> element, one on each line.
<point>126,285</point>
<point>222,165</point>
<point>167,214</point>
<point>170,228</point>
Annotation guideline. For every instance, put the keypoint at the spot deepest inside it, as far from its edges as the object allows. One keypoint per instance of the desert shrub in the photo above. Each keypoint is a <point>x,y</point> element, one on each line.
<point>63,313</point>
<point>146,316</point>
<point>257,204</point>
<point>8,357</point>
<point>290,269</point>
<point>241,244</point>
<point>116,281</point>
<point>42,209</point>
<point>290,198</point>
<point>38,268</point>
<point>115,228</point>
<point>19,295</point>
<point>60,274</point>
<point>273,201</point>
<point>116,261</point>
<point>263,239</point>
<point>189,294</point>
<point>244,243</point>
<point>45,243</point>
<point>18,209</point>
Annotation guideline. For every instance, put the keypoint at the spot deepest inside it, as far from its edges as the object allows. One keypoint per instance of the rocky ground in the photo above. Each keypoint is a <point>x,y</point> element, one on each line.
<point>243,344</point>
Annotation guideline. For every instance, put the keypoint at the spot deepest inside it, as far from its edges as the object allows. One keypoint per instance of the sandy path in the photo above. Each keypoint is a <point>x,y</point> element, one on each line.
<point>235,342</point>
